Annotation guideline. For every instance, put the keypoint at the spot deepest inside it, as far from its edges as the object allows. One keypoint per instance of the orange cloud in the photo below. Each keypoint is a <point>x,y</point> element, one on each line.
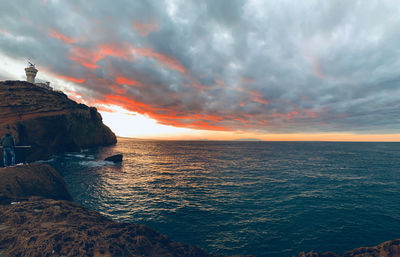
<point>64,77</point>
<point>76,80</point>
<point>127,103</point>
<point>68,40</point>
<point>90,57</point>
<point>143,28</point>
<point>297,114</point>
<point>126,81</point>
<point>119,90</point>
<point>292,114</point>
<point>220,83</point>
<point>194,121</point>
<point>186,122</point>
<point>206,126</point>
<point>123,50</point>
<point>257,97</point>
<point>165,60</point>
<point>207,117</point>
<point>166,116</point>
<point>85,57</point>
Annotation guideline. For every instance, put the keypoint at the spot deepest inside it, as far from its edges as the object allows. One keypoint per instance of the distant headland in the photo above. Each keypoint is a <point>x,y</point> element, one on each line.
<point>48,120</point>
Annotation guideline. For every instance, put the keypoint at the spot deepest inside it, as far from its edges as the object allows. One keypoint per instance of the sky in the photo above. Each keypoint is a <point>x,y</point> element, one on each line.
<point>217,69</point>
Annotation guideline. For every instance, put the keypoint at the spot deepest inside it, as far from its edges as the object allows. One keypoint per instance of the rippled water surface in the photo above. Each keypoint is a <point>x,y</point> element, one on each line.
<point>262,198</point>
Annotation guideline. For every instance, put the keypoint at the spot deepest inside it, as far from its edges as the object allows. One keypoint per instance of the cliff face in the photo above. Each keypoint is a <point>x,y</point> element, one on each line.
<point>49,121</point>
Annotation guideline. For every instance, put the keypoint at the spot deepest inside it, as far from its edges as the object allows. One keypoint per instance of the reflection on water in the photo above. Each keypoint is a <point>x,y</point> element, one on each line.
<point>269,199</point>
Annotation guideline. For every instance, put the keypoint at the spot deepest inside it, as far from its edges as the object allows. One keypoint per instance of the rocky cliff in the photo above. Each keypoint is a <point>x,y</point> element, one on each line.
<point>49,121</point>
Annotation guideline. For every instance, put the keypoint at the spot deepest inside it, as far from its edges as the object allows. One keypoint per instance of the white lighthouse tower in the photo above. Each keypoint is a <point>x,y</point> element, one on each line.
<point>31,73</point>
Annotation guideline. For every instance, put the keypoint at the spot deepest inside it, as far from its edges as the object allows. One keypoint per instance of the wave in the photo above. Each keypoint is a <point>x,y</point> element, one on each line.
<point>92,164</point>
<point>45,161</point>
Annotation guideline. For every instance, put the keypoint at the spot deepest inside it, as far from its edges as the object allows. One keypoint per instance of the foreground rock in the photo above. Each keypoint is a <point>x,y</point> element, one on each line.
<point>386,249</point>
<point>20,182</point>
<point>49,121</point>
<point>44,227</point>
<point>115,158</point>
<point>31,225</point>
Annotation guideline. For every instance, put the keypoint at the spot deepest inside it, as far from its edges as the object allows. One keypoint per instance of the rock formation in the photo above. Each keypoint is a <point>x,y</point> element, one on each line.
<point>386,249</point>
<point>115,158</point>
<point>49,121</point>
<point>23,181</point>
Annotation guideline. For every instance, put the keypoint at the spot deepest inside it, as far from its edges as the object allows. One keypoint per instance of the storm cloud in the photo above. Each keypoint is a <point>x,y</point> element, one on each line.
<point>264,66</point>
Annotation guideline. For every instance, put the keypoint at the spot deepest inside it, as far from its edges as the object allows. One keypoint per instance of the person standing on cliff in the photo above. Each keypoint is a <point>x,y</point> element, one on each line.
<point>8,149</point>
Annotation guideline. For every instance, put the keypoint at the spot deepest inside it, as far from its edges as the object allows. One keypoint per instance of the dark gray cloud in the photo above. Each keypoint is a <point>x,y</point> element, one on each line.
<point>314,66</point>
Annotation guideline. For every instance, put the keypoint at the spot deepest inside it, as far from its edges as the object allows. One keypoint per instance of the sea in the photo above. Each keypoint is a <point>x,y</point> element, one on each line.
<point>260,198</point>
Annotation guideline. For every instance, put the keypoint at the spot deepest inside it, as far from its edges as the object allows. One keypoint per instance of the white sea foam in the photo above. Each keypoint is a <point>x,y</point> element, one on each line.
<point>45,161</point>
<point>95,163</point>
<point>76,155</point>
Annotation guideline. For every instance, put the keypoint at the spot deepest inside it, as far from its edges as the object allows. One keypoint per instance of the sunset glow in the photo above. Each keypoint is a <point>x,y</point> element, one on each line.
<point>218,73</point>
<point>130,124</point>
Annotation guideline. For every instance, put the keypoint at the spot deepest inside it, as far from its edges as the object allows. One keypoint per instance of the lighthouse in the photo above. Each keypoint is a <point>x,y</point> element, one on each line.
<point>31,73</point>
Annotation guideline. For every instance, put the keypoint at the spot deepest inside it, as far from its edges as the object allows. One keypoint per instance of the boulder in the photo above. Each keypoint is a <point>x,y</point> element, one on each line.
<point>115,158</point>
<point>20,182</point>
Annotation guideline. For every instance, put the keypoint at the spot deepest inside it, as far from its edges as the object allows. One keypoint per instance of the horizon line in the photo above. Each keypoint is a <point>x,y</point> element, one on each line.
<point>258,140</point>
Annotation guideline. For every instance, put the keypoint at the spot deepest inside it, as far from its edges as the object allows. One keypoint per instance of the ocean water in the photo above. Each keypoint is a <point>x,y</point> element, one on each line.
<point>262,198</point>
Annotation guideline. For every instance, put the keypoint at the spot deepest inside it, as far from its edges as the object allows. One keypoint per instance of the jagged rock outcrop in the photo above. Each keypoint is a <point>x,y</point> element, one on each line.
<point>23,181</point>
<point>385,249</point>
<point>49,121</point>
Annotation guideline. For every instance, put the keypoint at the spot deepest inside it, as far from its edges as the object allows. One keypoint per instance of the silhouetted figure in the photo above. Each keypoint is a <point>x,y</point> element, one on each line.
<point>8,149</point>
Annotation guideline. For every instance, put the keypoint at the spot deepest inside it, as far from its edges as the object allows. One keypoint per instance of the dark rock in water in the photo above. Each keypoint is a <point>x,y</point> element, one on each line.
<point>49,121</point>
<point>44,227</point>
<point>20,182</point>
<point>115,158</point>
